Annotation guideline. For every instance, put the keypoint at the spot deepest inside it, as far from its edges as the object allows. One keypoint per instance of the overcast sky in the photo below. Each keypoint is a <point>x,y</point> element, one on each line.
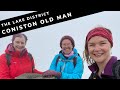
<point>43,42</point>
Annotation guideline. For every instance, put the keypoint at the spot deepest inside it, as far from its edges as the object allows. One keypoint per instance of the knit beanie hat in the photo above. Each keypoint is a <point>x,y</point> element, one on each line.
<point>100,31</point>
<point>69,38</point>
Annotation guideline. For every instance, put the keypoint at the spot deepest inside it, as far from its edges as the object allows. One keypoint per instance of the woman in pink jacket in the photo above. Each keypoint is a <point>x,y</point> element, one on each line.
<point>19,59</point>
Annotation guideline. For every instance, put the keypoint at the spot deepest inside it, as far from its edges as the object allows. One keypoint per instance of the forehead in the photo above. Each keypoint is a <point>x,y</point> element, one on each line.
<point>97,39</point>
<point>21,38</point>
<point>66,41</point>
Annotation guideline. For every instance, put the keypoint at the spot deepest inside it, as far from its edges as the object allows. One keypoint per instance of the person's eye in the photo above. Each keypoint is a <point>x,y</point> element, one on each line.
<point>90,45</point>
<point>103,43</point>
<point>22,42</point>
<point>17,42</point>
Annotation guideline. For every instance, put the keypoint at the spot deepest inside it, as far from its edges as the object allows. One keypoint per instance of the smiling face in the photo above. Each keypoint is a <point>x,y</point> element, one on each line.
<point>99,49</point>
<point>19,43</point>
<point>67,46</point>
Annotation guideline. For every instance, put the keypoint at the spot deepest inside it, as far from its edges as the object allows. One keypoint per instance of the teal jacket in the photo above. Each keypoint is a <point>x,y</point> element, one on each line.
<point>66,66</point>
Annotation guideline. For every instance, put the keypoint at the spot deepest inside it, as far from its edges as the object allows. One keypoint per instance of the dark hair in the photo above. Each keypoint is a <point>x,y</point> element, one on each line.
<point>69,38</point>
<point>19,35</point>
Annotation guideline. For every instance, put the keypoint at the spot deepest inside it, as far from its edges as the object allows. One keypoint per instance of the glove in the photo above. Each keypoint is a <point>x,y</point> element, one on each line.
<point>49,73</point>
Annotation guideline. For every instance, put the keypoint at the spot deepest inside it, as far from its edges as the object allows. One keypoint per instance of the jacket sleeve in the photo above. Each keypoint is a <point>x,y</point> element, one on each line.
<point>4,69</point>
<point>34,69</point>
<point>53,64</point>
<point>77,72</point>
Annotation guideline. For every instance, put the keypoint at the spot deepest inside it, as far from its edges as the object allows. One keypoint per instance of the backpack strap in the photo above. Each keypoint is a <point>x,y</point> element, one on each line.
<point>74,61</point>
<point>58,58</point>
<point>30,55</point>
<point>31,58</point>
<point>8,58</point>
<point>116,69</point>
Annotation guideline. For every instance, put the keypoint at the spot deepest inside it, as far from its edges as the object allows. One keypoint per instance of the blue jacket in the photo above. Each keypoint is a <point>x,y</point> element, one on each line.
<point>69,71</point>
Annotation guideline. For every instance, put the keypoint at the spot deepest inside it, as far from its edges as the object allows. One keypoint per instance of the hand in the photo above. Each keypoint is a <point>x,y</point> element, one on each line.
<point>51,73</point>
<point>47,73</point>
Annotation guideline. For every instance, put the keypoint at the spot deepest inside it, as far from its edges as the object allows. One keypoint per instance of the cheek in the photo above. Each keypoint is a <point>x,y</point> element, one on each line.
<point>71,47</point>
<point>107,49</point>
<point>90,50</point>
<point>23,46</point>
<point>14,45</point>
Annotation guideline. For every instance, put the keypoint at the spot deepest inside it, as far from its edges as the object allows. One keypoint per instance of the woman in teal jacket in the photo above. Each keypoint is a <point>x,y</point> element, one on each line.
<point>67,64</point>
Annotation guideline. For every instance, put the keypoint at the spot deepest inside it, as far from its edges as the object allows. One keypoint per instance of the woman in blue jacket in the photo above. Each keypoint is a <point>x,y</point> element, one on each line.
<point>67,64</point>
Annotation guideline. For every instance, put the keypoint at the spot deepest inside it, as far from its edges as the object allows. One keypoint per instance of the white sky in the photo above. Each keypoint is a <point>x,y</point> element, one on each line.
<point>43,42</point>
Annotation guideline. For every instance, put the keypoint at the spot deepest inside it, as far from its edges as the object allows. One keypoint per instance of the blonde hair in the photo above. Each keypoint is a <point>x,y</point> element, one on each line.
<point>86,55</point>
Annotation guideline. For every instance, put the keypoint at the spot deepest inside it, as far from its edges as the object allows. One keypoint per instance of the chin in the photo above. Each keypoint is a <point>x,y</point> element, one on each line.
<point>18,50</point>
<point>66,53</point>
<point>99,60</point>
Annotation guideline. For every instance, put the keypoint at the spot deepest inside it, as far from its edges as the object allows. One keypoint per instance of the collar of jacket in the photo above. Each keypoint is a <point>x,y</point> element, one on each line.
<point>108,67</point>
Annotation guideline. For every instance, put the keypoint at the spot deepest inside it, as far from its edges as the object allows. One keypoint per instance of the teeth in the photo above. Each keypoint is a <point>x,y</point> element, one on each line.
<point>66,49</point>
<point>19,48</point>
<point>98,55</point>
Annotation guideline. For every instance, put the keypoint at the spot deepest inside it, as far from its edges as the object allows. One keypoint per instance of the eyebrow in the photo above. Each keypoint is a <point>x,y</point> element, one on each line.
<point>100,41</point>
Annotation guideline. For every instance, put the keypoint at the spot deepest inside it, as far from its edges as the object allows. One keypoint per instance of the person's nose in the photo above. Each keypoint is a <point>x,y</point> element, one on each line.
<point>97,48</point>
